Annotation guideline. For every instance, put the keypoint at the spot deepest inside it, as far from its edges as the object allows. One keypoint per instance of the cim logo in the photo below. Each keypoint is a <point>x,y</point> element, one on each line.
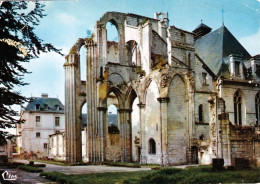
<point>8,176</point>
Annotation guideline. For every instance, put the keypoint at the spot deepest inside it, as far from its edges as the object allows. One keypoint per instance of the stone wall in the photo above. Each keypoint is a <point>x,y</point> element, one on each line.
<point>152,124</point>
<point>113,150</point>
<point>177,122</point>
<point>243,143</point>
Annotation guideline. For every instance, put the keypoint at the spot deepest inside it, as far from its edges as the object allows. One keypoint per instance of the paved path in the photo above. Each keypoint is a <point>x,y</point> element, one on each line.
<point>85,169</point>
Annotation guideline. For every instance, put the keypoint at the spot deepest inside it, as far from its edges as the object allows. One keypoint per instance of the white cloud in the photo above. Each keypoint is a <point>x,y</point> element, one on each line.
<point>251,43</point>
<point>66,19</point>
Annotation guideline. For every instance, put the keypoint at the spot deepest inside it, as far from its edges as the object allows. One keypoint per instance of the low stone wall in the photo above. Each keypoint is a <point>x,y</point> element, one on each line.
<point>113,150</point>
<point>244,143</point>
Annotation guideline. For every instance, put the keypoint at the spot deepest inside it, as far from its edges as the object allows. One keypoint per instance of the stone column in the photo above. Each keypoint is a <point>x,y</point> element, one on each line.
<point>143,159</point>
<point>102,125</point>
<point>224,140</point>
<point>125,134</point>
<point>121,116</point>
<point>72,112</point>
<point>128,137</point>
<point>92,126</point>
<point>163,120</point>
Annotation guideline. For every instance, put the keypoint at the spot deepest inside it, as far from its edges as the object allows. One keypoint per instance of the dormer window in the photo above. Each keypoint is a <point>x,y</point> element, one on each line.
<point>37,106</point>
<point>57,107</point>
<point>45,107</point>
<point>237,68</point>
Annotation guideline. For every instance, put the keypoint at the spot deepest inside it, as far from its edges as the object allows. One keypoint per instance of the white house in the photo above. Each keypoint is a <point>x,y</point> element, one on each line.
<point>43,116</point>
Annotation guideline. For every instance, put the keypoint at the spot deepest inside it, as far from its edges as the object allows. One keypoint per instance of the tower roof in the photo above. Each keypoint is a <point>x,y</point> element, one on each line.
<point>215,47</point>
<point>201,30</point>
<point>201,26</point>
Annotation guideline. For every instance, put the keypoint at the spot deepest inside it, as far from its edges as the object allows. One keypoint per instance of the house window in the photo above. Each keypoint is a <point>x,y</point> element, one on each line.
<point>152,146</point>
<point>57,121</point>
<point>200,113</point>
<point>38,118</point>
<point>237,71</point>
<point>204,78</point>
<point>238,108</point>
<point>45,145</point>
<point>257,108</point>
<point>38,134</point>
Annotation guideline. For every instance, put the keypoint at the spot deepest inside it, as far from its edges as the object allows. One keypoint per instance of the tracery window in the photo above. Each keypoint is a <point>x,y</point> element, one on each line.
<point>238,108</point>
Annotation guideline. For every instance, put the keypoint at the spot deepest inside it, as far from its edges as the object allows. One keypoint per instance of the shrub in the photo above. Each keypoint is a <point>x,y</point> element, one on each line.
<point>29,168</point>
<point>39,165</point>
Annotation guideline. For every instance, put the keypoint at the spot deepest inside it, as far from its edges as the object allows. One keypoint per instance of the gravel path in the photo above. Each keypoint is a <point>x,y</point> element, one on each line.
<point>85,169</point>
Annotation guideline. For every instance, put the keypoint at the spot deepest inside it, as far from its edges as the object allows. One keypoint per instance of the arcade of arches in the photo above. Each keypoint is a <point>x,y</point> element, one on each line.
<point>168,106</point>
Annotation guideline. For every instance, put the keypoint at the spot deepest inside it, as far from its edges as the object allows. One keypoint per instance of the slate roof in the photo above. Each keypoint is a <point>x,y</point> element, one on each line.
<point>45,104</point>
<point>214,49</point>
<point>201,26</point>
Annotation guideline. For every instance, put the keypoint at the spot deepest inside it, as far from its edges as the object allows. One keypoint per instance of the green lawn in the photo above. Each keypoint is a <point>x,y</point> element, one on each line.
<point>200,174</point>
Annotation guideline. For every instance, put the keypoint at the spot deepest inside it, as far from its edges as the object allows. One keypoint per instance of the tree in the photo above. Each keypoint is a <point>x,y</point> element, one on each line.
<point>18,44</point>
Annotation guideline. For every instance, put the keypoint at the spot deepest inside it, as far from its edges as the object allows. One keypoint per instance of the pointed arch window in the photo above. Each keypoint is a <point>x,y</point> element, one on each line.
<point>238,108</point>
<point>257,108</point>
<point>200,113</point>
<point>152,147</point>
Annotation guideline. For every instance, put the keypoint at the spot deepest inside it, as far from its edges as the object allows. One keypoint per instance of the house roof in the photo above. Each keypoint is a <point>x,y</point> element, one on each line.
<point>45,105</point>
<point>216,46</point>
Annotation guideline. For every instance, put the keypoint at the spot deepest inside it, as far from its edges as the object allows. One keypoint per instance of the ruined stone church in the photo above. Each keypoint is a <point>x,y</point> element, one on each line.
<point>182,97</point>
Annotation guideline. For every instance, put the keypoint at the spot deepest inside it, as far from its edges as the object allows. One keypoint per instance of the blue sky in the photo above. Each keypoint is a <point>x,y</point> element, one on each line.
<point>68,20</point>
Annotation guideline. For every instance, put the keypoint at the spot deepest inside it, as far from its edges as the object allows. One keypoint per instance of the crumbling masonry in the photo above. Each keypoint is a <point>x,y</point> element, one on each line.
<point>193,97</point>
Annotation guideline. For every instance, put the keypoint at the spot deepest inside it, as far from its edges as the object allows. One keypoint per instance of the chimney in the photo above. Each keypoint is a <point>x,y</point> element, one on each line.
<point>44,95</point>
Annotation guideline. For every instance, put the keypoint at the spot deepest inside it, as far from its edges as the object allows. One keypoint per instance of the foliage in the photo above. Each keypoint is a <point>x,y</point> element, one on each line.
<point>31,169</point>
<point>18,45</point>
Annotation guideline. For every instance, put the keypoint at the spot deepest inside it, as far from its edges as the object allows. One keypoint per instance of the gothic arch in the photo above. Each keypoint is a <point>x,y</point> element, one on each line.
<point>115,78</point>
<point>147,85</point>
<point>134,53</point>
<point>181,78</point>
<point>131,95</point>
<point>239,107</point>
<point>118,94</point>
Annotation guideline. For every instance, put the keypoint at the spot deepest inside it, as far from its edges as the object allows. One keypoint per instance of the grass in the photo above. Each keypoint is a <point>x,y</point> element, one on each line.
<point>97,178</point>
<point>30,168</point>
<point>10,165</point>
<point>202,174</point>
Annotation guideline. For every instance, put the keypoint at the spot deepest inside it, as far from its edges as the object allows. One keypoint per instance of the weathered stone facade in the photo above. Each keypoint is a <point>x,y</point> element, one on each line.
<point>167,95</point>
